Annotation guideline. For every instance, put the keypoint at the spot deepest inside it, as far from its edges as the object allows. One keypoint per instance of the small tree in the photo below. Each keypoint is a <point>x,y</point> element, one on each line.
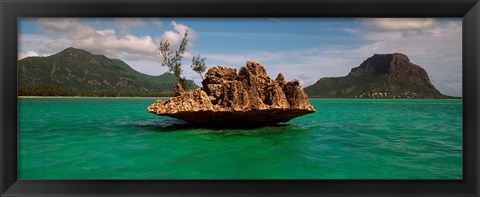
<point>198,65</point>
<point>173,60</point>
<point>243,70</point>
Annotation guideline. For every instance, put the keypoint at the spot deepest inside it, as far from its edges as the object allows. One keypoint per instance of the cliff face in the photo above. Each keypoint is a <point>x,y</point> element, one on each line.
<point>380,76</point>
<point>232,98</point>
<point>395,65</point>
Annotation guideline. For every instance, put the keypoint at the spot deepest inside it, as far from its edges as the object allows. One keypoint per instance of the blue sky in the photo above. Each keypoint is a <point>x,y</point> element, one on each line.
<point>302,48</point>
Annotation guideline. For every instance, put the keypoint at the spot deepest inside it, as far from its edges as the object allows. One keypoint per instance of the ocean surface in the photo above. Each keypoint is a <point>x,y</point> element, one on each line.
<point>116,138</point>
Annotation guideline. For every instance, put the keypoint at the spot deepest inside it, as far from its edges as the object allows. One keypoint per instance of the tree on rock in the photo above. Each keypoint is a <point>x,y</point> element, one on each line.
<point>198,65</point>
<point>173,59</point>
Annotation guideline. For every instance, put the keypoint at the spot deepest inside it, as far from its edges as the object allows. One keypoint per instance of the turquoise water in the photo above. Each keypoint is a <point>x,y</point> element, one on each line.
<point>115,138</point>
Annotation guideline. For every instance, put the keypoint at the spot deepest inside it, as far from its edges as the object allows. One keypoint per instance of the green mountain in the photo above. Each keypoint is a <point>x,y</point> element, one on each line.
<point>380,76</point>
<point>76,72</point>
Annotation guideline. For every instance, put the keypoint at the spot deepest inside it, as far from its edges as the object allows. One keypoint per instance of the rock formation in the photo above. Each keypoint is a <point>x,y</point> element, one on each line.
<point>395,65</point>
<point>230,98</point>
<point>379,76</point>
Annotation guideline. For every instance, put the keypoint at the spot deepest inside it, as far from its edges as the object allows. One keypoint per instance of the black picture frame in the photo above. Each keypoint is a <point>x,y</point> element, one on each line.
<point>10,10</point>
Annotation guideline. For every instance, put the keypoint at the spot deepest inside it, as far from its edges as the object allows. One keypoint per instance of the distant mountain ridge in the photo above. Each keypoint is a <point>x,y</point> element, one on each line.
<point>380,76</point>
<point>76,72</point>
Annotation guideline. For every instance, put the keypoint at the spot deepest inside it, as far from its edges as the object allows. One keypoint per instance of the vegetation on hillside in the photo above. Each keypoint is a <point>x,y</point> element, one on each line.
<point>76,72</point>
<point>378,86</point>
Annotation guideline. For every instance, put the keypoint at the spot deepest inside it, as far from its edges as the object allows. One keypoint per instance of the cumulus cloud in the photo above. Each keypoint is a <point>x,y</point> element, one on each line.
<point>68,27</point>
<point>398,24</point>
<point>28,54</point>
<point>111,44</point>
<point>103,41</point>
<point>73,32</point>
<point>175,37</point>
<point>36,43</point>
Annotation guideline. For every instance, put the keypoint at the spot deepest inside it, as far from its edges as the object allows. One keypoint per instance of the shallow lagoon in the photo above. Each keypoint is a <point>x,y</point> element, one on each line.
<point>115,138</point>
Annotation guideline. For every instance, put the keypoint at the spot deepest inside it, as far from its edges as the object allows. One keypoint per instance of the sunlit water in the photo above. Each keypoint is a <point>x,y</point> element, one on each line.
<point>115,138</point>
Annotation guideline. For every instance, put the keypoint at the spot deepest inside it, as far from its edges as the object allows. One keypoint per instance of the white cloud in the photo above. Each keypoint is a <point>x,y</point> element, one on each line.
<point>111,44</point>
<point>70,28</point>
<point>64,32</point>
<point>398,24</point>
<point>180,28</point>
<point>175,37</point>
<point>28,54</point>
<point>36,43</point>
<point>107,32</point>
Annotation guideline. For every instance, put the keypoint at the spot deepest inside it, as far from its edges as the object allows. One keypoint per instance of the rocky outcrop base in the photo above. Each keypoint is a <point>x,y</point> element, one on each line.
<point>232,98</point>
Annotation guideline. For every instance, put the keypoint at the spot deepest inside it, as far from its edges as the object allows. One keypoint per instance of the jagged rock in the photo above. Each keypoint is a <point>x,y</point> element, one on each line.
<point>395,65</point>
<point>230,98</point>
